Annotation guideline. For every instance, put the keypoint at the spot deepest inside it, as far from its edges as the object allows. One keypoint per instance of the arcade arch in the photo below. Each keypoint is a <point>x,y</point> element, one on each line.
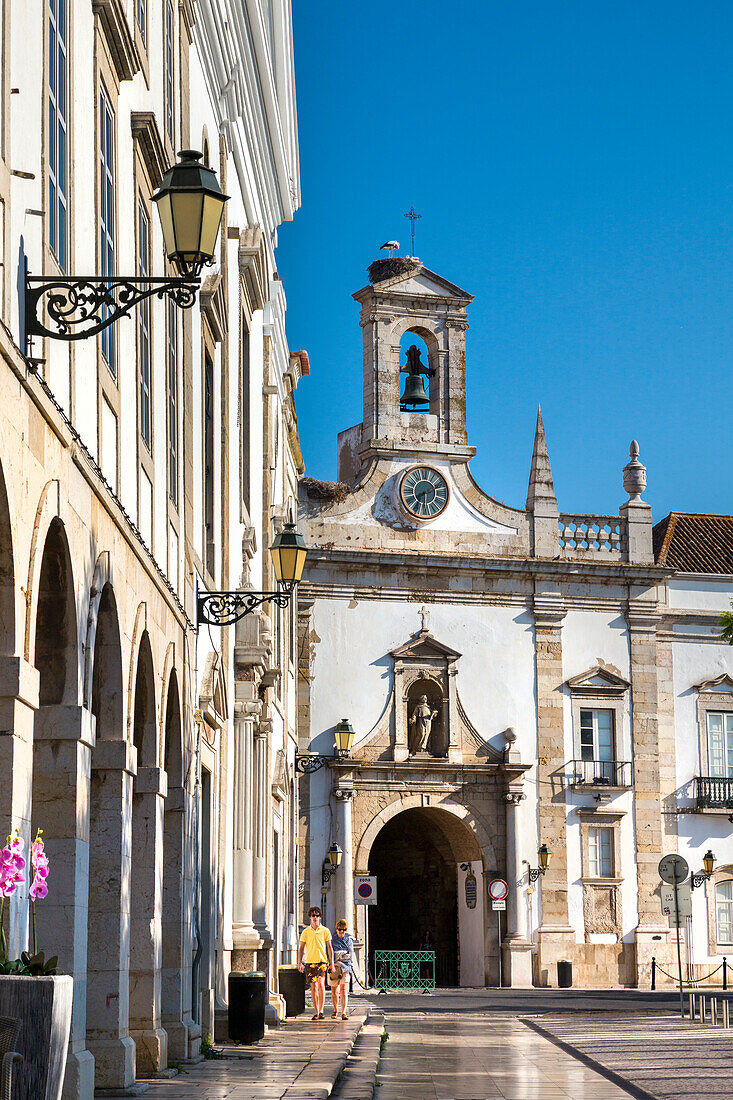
<point>416,856</point>
<point>146,878</point>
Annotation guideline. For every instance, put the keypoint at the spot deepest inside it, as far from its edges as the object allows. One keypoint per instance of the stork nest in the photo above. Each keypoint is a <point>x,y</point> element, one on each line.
<point>334,491</point>
<point>388,269</point>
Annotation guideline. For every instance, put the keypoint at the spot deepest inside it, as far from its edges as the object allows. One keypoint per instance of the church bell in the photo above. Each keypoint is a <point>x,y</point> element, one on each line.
<point>414,391</point>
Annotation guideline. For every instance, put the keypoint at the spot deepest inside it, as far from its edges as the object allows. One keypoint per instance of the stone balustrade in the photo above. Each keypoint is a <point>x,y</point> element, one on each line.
<point>600,536</point>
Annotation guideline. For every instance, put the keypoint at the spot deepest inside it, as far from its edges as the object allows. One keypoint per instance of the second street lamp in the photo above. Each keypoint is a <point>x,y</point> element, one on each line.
<point>288,552</point>
<point>190,204</point>
<point>343,736</point>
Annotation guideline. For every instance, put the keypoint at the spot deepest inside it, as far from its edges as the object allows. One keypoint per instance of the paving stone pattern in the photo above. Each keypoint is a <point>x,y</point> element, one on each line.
<point>472,1057</point>
<point>300,1060</point>
<point>661,1057</point>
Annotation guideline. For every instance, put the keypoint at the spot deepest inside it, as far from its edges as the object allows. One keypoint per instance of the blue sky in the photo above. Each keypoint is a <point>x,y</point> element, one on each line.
<point>573,165</point>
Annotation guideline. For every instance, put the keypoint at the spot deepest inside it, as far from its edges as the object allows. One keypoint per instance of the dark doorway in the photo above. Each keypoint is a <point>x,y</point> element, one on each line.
<point>417,890</point>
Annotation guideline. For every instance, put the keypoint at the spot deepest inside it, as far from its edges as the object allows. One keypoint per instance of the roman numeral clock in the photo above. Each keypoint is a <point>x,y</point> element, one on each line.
<point>423,493</point>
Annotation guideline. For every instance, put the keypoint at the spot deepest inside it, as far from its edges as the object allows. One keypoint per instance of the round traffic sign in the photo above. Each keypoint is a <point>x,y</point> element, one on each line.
<point>498,889</point>
<point>365,889</point>
<point>673,868</point>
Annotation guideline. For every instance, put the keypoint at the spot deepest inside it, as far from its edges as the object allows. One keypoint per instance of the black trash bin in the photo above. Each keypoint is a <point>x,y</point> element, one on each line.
<point>247,999</point>
<point>564,974</point>
<point>291,984</point>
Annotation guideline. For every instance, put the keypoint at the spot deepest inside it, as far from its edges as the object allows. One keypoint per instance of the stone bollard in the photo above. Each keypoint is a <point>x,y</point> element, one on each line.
<point>702,1008</point>
<point>726,1013</point>
<point>714,1011</point>
<point>691,1013</point>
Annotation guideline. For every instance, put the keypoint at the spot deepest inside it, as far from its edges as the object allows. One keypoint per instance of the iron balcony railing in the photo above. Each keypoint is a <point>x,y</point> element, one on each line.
<point>600,773</point>
<point>714,792</point>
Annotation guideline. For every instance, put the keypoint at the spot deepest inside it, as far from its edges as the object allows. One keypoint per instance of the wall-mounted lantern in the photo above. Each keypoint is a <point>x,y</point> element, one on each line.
<point>190,205</point>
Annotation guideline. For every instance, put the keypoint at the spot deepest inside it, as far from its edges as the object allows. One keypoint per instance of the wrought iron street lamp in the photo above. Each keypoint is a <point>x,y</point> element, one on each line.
<point>312,761</point>
<point>190,205</point>
<point>543,857</point>
<point>708,862</point>
<point>331,864</point>
<point>288,552</point>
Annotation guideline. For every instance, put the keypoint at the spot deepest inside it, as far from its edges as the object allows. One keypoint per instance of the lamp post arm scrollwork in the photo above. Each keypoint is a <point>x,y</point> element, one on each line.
<point>227,608</point>
<point>81,306</point>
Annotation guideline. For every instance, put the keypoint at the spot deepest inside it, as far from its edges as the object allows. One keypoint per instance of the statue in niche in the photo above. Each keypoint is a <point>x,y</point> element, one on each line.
<point>421,723</point>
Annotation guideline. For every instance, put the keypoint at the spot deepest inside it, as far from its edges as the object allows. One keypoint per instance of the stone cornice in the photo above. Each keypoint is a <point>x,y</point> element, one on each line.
<point>146,133</point>
<point>118,36</point>
<point>625,572</point>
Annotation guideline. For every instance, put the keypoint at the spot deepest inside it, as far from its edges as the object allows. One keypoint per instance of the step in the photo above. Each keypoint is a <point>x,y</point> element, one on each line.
<point>359,1075</point>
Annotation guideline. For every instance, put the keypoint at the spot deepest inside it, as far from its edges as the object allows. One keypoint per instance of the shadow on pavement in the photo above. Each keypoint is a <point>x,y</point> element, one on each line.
<point>525,1002</point>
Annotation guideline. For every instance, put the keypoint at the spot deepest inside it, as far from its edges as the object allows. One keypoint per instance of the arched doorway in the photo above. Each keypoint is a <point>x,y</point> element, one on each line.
<point>60,761</point>
<point>109,861</point>
<point>174,969</point>
<point>62,743</point>
<point>146,879</point>
<point>417,857</point>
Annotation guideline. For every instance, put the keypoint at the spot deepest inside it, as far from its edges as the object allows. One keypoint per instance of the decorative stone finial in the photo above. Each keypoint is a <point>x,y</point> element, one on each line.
<point>634,473</point>
<point>510,736</point>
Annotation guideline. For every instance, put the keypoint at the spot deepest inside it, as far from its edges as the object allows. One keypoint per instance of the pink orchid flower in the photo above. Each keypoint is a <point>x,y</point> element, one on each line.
<point>38,889</point>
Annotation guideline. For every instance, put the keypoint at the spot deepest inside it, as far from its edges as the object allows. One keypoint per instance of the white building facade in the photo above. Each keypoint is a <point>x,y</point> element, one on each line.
<point>515,677</point>
<point>139,467</point>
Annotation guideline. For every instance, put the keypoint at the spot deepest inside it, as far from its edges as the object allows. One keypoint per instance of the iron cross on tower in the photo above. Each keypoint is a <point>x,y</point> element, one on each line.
<point>413,216</point>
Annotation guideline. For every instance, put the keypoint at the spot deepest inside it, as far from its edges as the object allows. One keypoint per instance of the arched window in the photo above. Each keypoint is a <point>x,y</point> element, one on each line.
<point>724,911</point>
<point>415,356</point>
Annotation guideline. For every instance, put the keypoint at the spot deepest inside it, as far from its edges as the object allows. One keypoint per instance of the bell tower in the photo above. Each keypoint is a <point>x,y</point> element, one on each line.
<point>404,297</point>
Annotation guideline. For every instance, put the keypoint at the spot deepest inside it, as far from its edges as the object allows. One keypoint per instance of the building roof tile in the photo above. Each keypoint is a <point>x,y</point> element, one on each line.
<point>693,542</point>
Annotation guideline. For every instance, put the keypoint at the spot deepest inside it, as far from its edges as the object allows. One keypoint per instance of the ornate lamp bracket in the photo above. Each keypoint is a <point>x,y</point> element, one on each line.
<point>77,307</point>
<point>226,608</point>
<point>313,762</point>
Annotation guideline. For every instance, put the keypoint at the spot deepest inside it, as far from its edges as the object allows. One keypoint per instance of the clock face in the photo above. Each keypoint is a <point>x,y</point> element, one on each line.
<point>424,492</point>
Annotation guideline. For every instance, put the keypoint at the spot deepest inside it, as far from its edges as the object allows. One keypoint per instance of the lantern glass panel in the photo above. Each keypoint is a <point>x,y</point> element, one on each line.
<point>212,212</point>
<point>187,218</point>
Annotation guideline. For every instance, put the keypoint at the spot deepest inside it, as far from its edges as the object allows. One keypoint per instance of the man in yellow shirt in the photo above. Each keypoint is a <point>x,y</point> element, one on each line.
<point>316,943</point>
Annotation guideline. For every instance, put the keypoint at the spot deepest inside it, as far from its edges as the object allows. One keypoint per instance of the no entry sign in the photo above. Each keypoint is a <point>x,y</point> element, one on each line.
<point>498,889</point>
<point>365,889</point>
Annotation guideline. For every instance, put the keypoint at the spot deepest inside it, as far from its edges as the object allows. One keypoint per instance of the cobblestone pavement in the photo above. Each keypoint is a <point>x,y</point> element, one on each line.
<point>660,1056</point>
<point>300,1060</point>
<point>446,1056</point>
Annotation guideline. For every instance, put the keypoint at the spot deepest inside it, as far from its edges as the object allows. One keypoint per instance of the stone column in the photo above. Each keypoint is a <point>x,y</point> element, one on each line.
<point>343,904</point>
<point>555,937</point>
<point>245,937</point>
<point>261,795</point>
<point>64,736</point>
<point>114,763</point>
<point>642,618</point>
<point>19,685</point>
<point>146,914</point>
<point>516,948</point>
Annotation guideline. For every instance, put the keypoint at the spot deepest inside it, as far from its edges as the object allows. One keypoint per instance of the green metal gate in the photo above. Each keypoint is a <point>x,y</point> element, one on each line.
<point>404,970</point>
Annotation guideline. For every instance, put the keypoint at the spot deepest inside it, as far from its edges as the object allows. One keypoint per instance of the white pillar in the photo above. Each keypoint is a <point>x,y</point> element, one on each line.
<point>344,878</point>
<point>259,896</point>
<point>242,900</point>
<point>517,950</point>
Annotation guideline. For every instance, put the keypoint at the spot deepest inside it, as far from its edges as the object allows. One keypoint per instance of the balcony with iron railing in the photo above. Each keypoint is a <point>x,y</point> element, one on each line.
<point>614,775</point>
<point>713,792</point>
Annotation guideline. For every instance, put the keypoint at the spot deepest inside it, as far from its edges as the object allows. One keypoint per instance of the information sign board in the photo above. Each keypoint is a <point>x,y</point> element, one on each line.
<point>684,904</point>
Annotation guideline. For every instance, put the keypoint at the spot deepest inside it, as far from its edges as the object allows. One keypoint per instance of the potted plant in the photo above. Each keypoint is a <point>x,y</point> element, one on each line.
<point>30,989</point>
